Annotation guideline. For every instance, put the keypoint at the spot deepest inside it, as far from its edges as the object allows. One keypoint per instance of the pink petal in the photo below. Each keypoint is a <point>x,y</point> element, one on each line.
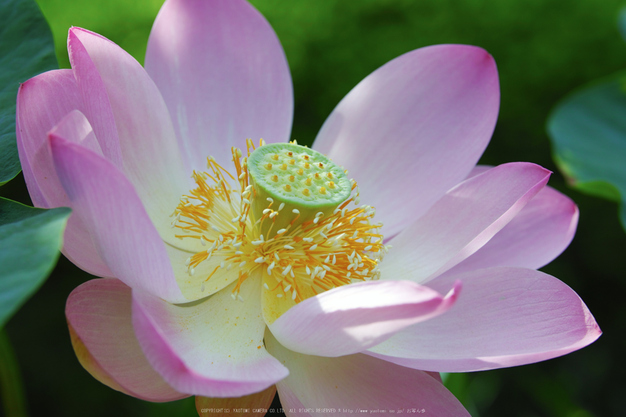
<point>95,100</point>
<point>436,375</point>
<point>535,236</point>
<point>348,384</point>
<point>223,74</point>
<point>99,316</point>
<point>76,128</point>
<point>212,348</point>
<point>505,317</point>
<point>461,222</point>
<point>103,199</point>
<point>151,159</point>
<point>253,405</point>
<point>414,128</point>
<point>290,403</point>
<point>354,317</point>
<point>30,177</point>
<point>42,102</point>
<point>478,169</point>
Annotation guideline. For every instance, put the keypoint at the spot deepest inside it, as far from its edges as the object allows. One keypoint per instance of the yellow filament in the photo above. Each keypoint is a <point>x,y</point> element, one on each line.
<point>298,261</point>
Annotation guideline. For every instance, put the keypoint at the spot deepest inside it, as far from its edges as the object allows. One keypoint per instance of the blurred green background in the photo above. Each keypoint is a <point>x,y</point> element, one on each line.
<point>543,48</point>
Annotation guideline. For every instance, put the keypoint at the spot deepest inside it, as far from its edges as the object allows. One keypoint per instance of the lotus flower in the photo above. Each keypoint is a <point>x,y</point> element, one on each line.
<point>217,283</point>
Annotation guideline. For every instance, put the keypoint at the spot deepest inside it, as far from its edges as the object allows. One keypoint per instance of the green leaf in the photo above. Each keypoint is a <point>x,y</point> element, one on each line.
<point>30,239</point>
<point>588,133</point>
<point>26,49</point>
<point>621,23</point>
<point>11,386</point>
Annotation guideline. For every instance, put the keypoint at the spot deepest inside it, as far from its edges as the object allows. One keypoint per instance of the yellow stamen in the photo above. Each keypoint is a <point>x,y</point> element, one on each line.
<point>305,257</point>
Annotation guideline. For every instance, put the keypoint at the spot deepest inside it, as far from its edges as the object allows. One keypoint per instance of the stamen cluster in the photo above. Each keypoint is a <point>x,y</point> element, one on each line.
<point>303,258</point>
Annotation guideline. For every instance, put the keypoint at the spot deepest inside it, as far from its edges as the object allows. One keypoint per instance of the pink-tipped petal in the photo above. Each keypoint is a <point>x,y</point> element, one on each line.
<point>212,347</point>
<point>36,194</point>
<point>347,384</point>
<point>253,405</point>
<point>352,318</point>
<point>535,236</point>
<point>42,102</point>
<point>505,317</point>
<point>95,100</point>
<point>106,203</point>
<point>223,74</point>
<point>414,128</point>
<point>99,317</point>
<point>147,142</point>
<point>462,221</point>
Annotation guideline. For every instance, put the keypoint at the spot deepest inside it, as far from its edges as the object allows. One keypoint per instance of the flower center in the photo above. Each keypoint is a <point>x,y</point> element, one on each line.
<point>289,213</point>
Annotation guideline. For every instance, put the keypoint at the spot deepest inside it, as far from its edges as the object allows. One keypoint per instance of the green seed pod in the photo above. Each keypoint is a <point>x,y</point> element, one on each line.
<point>297,180</point>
